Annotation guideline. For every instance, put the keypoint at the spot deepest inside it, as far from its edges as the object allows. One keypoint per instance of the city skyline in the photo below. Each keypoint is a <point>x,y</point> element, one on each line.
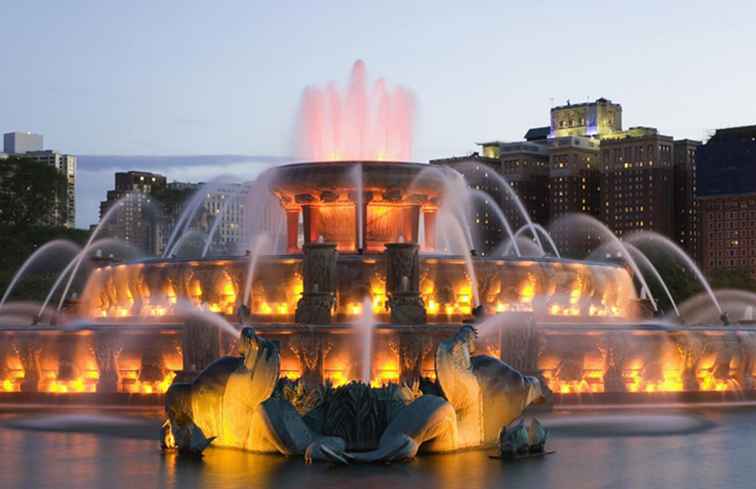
<point>238,85</point>
<point>236,89</point>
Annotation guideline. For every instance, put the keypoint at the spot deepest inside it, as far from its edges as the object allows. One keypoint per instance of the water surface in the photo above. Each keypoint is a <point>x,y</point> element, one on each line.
<point>705,447</point>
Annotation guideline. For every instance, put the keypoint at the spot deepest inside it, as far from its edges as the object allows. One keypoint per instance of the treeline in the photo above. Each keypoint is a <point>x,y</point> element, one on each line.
<point>29,192</point>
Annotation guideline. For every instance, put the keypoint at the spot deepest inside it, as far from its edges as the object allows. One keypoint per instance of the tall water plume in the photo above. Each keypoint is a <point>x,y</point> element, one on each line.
<point>359,123</point>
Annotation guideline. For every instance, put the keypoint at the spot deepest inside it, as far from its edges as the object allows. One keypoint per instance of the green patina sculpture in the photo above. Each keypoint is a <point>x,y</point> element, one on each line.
<point>235,403</point>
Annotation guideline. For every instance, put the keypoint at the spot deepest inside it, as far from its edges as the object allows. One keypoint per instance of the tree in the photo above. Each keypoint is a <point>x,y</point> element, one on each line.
<point>29,192</point>
<point>739,278</point>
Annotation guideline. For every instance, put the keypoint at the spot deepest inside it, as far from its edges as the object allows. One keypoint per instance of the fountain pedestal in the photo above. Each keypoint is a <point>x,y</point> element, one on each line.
<point>318,284</point>
<point>403,283</point>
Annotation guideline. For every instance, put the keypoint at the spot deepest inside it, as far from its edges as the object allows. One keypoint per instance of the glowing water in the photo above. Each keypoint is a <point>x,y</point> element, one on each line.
<point>259,244</point>
<point>218,219</point>
<point>581,222</point>
<point>77,261</point>
<point>518,203</point>
<point>365,326</point>
<point>647,263</point>
<point>479,194</point>
<point>356,124</point>
<point>669,245</point>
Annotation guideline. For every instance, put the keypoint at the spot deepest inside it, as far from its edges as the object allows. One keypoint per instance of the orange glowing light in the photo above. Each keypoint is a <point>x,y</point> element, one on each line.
<point>527,291</point>
<point>388,372</point>
<point>336,377</point>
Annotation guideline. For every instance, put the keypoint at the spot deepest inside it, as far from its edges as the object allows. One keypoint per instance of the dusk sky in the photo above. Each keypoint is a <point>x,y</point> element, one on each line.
<point>225,78</point>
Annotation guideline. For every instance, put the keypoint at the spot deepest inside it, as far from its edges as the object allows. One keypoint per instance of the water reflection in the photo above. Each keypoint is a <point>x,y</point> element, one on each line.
<point>687,448</point>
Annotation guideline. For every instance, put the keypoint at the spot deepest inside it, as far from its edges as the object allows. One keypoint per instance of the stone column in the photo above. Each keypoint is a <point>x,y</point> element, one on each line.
<point>29,349</point>
<point>292,229</point>
<point>403,283</point>
<point>318,284</point>
<point>107,348</point>
<point>360,212</point>
<point>201,345</point>
<point>429,225</point>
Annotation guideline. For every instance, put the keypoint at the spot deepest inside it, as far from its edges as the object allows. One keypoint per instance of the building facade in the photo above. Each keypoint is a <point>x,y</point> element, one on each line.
<point>136,221</point>
<point>593,119</point>
<point>638,181</point>
<point>574,187</point>
<point>22,142</point>
<point>726,189</point>
<point>687,217</point>
<point>585,162</point>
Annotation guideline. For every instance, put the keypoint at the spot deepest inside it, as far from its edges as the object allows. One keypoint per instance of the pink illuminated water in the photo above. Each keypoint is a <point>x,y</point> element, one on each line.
<point>360,123</point>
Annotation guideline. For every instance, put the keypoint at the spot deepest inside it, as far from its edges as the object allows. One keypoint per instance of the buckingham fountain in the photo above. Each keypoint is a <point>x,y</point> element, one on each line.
<point>361,325</point>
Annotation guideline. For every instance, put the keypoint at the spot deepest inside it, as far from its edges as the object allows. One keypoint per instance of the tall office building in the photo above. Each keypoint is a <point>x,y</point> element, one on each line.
<point>22,142</point>
<point>479,171</point>
<point>574,187</point>
<point>726,188</point>
<point>585,162</point>
<point>138,216</point>
<point>687,217</point>
<point>637,178</point>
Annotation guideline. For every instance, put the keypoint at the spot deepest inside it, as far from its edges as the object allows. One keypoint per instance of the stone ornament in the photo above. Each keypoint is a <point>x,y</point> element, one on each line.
<point>231,404</point>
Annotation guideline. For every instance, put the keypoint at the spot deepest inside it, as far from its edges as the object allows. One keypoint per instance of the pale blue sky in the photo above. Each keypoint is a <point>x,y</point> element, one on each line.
<point>186,78</point>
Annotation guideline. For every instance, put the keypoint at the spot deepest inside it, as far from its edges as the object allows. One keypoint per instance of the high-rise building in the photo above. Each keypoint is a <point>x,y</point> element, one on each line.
<point>574,187</point>
<point>726,189</point>
<point>593,119</point>
<point>584,162</point>
<point>137,218</point>
<point>480,173</point>
<point>637,179</point>
<point>686,218</point>
<point>22,142</point>
<point>525,165</point>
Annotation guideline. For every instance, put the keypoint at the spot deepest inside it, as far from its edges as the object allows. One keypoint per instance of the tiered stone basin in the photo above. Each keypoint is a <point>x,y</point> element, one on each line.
<point>578,325</point>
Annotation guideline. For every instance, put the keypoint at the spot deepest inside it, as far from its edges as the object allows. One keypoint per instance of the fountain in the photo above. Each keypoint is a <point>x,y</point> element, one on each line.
<point>375,252</point>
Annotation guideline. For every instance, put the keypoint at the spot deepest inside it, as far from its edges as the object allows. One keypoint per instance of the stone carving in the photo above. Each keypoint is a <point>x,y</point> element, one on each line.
<point>232,404</point>
<point>403,284</point>
<point>28,350</point>
<point>311,350</point>
<point>691,348</point>
<point>411,349</point>
<point>315,308</point>
<point>407,308</point>
<point>318,283</point>
<point>106,348</point>
<point>613,350</point>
